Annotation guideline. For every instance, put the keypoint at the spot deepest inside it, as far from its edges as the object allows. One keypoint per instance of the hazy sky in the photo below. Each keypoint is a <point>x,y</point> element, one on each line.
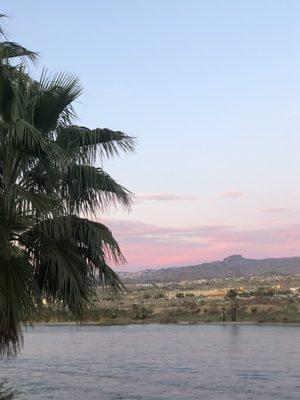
<point>211,89</point>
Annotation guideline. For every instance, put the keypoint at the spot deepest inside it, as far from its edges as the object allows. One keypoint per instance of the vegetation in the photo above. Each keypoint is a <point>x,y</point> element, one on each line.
<point>232,296</point>
<point>180,311</point>
<point>49,186</point>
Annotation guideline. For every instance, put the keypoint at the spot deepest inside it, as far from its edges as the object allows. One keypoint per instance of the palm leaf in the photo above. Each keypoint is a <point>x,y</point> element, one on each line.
<point>9,50</point>
<point>90,189</point>
<point>56,93</point>
<point>16,302</point>
<point>69,254</point>
<point>84,144</point>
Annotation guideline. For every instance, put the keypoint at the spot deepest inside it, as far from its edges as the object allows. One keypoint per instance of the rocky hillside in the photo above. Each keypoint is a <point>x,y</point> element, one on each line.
<point>231,266</point>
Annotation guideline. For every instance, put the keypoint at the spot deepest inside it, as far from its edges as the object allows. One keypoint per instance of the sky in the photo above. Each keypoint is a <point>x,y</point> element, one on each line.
<point>211,91</point>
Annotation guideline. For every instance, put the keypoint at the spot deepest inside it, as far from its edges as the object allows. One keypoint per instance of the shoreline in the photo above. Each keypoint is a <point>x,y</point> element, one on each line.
<point>73,323</point>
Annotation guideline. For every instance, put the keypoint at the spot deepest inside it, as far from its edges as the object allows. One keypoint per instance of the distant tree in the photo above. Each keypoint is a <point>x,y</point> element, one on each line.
<point>264,293</point>
<point>139,312</point>
<point>158,296</point>
<point>232,296</point>
<point>260,292</point>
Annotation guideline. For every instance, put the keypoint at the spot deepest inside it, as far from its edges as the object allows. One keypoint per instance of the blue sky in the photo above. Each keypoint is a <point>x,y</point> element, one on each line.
<point>211,91</point>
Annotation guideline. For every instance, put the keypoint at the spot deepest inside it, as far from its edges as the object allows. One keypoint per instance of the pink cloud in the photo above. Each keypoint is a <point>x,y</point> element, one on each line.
<point>273,210</point>
<point>146,245</point>
<point>164,197</point>
<point>232,195</point>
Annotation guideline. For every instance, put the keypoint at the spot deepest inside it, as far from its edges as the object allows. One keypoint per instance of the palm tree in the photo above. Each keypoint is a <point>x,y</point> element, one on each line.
<point>49,186</point>
<point>232,296</point>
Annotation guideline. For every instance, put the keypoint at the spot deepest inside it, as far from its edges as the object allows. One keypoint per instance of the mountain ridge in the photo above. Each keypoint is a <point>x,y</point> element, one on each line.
<point>232,266</point>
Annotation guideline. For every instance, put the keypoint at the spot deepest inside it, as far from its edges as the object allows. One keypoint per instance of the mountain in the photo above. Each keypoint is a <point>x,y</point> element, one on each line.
<point>232,266</point>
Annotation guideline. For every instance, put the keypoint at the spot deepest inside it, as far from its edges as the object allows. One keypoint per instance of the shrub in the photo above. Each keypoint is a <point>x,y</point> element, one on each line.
<point>140,312</point>
<point>159,296</point>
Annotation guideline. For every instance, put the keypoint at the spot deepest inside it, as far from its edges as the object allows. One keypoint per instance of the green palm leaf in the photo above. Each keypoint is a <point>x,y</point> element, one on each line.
<point>9,50</point>
<point>70,253</point>
<point>84,144</point>
<point>55,95</point>
<point>91,189</point>
<point>16,300</point>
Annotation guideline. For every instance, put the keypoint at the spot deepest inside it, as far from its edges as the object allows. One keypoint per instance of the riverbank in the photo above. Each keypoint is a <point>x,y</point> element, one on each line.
<point>94,323</point>
<point>187,312</point>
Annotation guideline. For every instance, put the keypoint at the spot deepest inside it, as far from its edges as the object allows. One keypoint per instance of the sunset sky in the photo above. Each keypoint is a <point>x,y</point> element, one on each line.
<point>211,90</point>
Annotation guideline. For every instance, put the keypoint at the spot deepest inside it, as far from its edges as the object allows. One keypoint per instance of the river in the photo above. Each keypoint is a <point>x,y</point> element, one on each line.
<point>157,362</point>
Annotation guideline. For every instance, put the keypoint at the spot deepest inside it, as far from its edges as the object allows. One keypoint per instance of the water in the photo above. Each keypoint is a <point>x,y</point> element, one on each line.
<point>158,362</point>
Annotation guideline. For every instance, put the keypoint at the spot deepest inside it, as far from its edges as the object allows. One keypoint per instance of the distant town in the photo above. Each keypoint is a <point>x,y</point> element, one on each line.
<point>264,298</point>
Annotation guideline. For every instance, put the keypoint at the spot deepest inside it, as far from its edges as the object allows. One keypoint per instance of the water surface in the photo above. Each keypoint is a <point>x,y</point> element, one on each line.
<point>158,362</point>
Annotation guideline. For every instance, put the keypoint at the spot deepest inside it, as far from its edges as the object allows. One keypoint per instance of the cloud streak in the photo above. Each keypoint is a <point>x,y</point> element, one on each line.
<point>273,210</point>
<point>164,197</point>
<point>232,195</point>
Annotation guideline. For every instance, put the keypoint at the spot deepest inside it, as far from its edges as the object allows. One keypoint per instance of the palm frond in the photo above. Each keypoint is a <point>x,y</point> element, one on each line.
<point>6,94</point>
<point>34,202</point>
<point>96,236</point>
<point>56,93</point>
<point>16,302</point>
<point>9,50</point>
<point>85,144</point>
<point>69,253</point>
<point>23,134</point>
<point>90,189</point>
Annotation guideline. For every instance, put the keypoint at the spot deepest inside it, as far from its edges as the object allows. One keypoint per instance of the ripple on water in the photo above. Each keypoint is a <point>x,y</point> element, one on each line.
<point>157,363</point>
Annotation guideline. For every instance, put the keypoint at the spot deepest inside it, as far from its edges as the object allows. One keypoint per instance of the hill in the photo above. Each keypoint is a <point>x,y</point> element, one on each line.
<point>232,266</point>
